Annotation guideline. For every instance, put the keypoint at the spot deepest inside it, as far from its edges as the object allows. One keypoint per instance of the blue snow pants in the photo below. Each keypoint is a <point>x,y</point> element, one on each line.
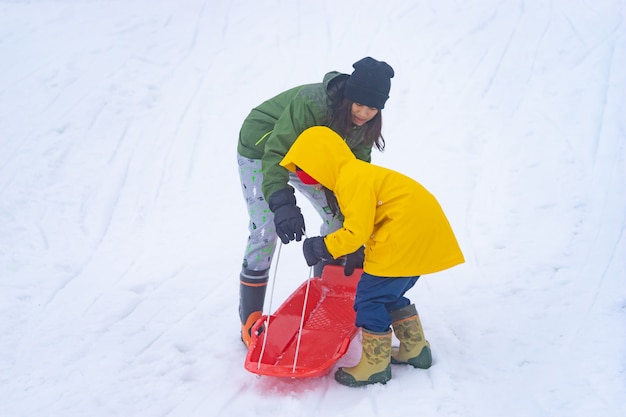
<point>377,296</point>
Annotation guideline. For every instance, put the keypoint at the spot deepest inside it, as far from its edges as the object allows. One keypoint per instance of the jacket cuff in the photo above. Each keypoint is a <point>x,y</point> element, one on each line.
<point>283,197</point>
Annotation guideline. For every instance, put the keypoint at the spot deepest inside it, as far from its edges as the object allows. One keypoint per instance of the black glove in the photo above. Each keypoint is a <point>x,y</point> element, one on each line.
<point>288,219</point>
<point>315,250</point>
<point>354,260</point>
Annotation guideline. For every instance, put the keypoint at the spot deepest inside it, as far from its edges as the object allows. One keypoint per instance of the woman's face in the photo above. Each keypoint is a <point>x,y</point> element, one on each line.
<point>362,114</point>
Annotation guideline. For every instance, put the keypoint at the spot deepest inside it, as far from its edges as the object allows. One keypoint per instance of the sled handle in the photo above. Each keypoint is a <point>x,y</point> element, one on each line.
<point>306,297</point>
<point>267,320</point>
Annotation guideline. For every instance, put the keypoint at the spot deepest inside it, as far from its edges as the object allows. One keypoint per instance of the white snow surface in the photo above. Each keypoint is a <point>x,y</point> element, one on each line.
<point>122,224</point>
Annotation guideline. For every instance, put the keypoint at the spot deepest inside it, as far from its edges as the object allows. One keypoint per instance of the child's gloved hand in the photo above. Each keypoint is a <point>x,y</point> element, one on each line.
<point>354,260</point>
<point>315,250</point>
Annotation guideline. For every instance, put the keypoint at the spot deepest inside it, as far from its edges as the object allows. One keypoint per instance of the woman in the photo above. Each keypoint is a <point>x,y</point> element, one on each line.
<point>351,106</point>
<point>405,233</point>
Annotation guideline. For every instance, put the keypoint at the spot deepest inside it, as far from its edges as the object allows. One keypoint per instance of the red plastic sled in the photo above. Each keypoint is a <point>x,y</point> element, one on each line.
<point>326,333</point>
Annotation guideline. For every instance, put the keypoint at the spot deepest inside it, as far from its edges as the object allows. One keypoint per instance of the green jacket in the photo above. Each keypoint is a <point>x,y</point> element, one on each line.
<point>272,127</point>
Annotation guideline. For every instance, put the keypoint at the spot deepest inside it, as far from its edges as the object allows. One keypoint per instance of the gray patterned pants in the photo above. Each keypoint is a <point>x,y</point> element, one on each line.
<point>262,240</point>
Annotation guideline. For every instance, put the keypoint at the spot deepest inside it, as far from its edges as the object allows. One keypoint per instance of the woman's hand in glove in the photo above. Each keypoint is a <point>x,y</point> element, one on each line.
<point>288,219</point>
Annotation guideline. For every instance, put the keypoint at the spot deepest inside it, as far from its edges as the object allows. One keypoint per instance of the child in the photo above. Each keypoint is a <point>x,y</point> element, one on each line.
<point>405,234</point>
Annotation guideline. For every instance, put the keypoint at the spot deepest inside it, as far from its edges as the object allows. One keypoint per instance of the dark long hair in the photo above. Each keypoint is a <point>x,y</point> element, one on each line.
<point>341,119</point>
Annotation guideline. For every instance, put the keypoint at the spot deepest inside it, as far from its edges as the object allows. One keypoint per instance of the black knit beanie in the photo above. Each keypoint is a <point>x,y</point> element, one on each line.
<point>369,83</point>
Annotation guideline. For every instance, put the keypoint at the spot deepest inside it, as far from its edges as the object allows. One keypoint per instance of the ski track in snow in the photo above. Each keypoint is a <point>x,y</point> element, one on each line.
<point>122,225</point>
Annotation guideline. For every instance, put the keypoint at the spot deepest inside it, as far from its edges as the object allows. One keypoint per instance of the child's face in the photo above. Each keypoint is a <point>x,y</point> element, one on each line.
<point>362,114</point>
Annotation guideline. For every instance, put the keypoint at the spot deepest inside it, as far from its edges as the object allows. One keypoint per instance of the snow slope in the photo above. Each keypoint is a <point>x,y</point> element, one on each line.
<point>122,224</point>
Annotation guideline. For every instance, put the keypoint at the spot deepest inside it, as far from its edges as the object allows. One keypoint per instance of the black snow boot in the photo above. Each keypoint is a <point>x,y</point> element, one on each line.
<point>251,298</point>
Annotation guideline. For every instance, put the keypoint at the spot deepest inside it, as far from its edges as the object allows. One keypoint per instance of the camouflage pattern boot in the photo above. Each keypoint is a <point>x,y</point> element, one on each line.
<point>414,350</point>
<point>374,366</point>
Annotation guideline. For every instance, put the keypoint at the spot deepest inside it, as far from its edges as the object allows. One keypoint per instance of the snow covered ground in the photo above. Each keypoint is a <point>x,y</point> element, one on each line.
<point>122,224</point>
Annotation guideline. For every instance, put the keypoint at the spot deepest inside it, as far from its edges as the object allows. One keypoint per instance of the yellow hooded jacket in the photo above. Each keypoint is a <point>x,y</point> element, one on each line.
<point>402,225</point>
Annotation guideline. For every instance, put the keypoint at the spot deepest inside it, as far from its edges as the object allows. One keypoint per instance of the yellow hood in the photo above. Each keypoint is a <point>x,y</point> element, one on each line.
<point>305,153</point>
